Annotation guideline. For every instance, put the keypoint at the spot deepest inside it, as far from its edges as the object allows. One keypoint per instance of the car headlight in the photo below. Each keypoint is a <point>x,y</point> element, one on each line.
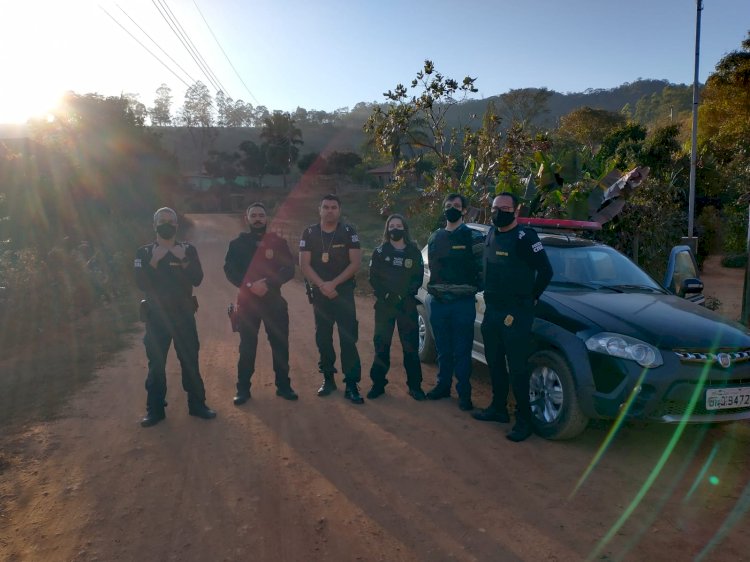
<point>617,345</point>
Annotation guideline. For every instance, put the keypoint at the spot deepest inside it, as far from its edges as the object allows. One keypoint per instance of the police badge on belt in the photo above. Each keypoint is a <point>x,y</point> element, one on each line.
<point>508,320</point>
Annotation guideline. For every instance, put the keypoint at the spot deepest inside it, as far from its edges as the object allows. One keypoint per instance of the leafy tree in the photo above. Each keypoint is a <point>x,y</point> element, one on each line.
<point>671,105</point>
<point>524,105</point>
<point>260,113</point>
<point>662,153</point>
<point>281,137</point>
<point>342,162</point>
<point>724,144</point>
<point>161,112</point>
<point>306,161</point>
<point>197,110</point>
<point>252,161</point>
<point>419,120</point>
<point>484,149</point>
<point>197,115</point>
<point>223,108</point>
<point>589,126</point>
<point>241,115</point>
<point>724,124</point>
<point>622,147</point>
<point>222,165</point>
<point>137,108</point>
<point>300,115</point>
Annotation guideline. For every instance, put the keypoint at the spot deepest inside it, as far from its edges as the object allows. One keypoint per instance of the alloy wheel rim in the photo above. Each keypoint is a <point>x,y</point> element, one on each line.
<point>546,394</point>
<point>422,325</point>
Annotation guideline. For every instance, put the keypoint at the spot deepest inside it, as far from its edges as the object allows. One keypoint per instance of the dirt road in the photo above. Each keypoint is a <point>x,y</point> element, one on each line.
<point>322,479</point>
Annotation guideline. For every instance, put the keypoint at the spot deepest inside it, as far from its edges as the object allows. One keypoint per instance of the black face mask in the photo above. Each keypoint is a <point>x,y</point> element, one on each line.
<point>503,218</point>
<point>452,214</point>
<point>258,229</point>
<point>396,234</point>
<point>166,231</point>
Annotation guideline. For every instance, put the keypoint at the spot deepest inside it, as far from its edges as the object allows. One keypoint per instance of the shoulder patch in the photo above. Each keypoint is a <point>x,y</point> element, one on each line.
<point>521,233</point>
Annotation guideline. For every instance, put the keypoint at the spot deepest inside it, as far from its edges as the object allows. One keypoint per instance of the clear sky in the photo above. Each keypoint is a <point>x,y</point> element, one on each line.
<point>327,54</point>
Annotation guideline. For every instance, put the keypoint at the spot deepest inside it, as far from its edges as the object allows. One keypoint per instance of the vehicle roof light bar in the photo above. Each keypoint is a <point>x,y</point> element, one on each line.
<point>559,224</point>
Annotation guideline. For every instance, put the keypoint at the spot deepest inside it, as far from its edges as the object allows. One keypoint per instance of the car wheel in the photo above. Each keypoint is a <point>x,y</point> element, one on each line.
<point>427,351</point>
<point>555,410</point>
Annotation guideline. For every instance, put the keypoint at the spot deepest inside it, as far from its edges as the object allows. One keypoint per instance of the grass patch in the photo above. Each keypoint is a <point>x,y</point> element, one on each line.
<point>48,365</point>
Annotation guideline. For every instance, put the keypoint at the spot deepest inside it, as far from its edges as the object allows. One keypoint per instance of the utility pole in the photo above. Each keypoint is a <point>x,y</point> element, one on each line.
<point>694,138</point>
<point>745,315</point>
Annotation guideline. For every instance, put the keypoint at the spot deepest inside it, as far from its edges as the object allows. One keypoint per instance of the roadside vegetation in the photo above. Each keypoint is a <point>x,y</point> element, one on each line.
<point>77,196</point>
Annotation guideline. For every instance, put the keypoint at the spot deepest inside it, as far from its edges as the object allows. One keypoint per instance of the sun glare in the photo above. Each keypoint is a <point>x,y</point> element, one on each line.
<point>36,62</point>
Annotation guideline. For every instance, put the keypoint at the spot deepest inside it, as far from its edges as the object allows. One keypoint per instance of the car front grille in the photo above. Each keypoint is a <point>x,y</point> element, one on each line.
<point>719,358</point>
<point>679,408</point>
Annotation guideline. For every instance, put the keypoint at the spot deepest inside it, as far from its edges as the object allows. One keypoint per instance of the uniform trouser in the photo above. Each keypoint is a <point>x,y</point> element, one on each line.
<point>342,312</point>
<point>387,316</point>
<point>452,325</point>
<point>506,331</point>
<point>272,310</point>
<point>161,330</point>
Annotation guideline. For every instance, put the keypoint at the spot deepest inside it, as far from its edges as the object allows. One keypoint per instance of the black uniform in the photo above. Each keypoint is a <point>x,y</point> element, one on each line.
<point>516,271</point>
<point>171,317</point>
<point>395,276</point>
<point>250,258</point>
<point>329,257</point>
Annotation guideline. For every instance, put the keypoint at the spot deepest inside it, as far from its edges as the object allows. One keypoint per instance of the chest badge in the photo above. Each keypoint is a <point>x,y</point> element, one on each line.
<point>508,320</point>
<point>408,263</point>
<point>325,257</point>
<point>269,254</point>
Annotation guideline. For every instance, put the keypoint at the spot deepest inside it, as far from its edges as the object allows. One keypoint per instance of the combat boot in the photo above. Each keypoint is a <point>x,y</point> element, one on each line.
<point>328,386</point>
<point>521,431</point>
<point>152,417</point>
<point>352,393</point>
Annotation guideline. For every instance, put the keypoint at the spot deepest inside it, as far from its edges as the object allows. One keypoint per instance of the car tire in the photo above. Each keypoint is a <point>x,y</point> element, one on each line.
<point>427,351</point>
<point>556,411</point>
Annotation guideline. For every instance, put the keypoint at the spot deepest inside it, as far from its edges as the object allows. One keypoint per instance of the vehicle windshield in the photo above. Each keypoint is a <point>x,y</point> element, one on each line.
<point>596,267</point>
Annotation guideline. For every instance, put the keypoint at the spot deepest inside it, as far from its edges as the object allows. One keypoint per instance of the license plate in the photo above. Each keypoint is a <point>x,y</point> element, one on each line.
<point>724,398</point>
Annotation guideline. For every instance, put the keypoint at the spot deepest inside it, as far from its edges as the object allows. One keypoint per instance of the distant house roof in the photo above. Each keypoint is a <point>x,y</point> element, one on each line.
<point>386,170</point>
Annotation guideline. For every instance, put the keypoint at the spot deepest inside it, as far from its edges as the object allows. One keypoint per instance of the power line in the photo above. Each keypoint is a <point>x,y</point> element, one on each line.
<point>190,46</point>
<point>157,44</point>
<point>184,44</point>
<point>144,46</point>
<point>225,54</point>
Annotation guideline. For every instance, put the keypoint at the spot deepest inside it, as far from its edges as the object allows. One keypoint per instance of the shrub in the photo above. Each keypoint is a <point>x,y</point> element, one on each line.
<point>734,260</point>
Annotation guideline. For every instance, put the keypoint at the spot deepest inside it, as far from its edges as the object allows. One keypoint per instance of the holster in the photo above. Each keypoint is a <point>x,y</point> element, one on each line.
<point>309,291</point>
<point>143,310</point>
<point>233,311</point>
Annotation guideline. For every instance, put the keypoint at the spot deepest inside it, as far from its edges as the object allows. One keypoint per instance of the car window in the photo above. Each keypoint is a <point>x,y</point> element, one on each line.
<point>684,268</point>
<point>595,265</point>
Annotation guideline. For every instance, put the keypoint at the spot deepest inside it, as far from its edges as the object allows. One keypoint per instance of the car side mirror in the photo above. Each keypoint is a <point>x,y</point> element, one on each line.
<point>690,286</point>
